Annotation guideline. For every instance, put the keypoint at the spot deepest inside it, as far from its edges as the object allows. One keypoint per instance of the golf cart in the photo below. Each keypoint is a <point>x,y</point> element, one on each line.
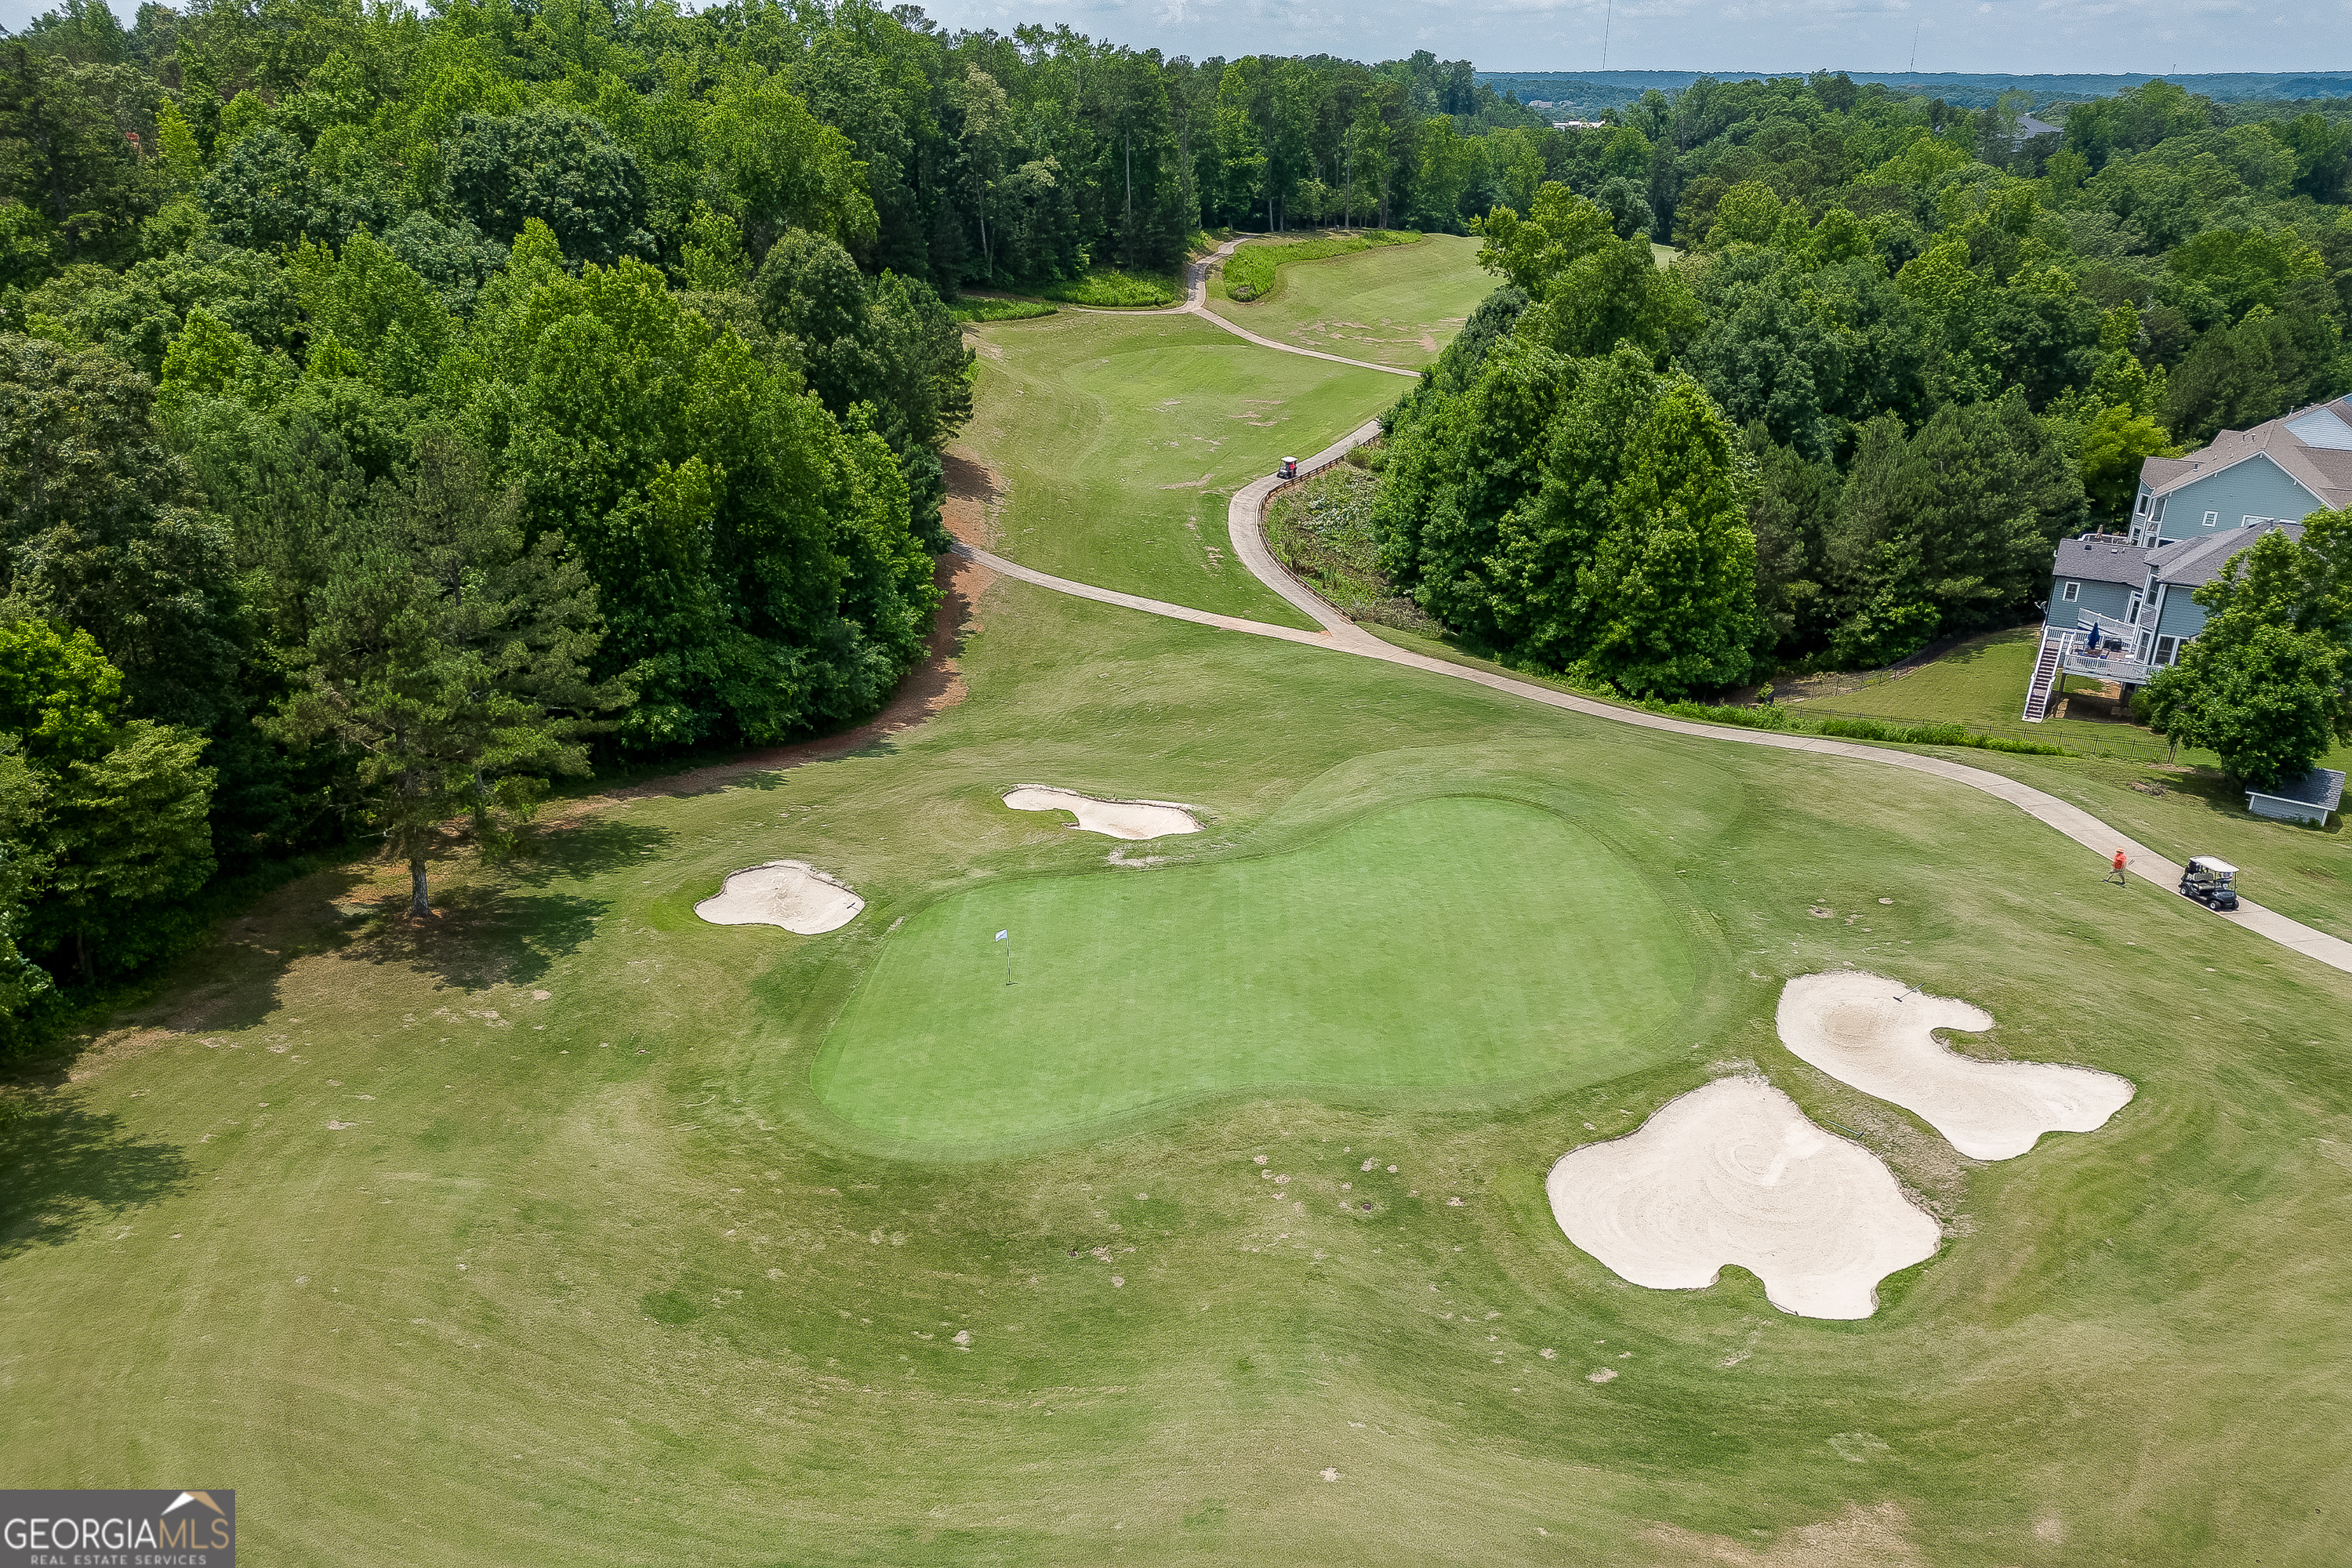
<point>2213,883</point>
<point>1290,467</point>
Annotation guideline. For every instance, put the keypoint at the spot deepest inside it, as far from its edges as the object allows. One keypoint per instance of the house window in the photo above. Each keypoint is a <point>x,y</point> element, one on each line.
<point>2143,497</point>
<point>2132,615</point>
<point>2167,648</point>
<point>2213,518</point>
<point>2073,592</point>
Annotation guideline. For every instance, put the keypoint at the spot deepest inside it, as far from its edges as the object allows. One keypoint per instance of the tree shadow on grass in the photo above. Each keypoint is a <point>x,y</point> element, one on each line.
<point>65,1169</point>
<point>482,937</point>
<point>583,846</point>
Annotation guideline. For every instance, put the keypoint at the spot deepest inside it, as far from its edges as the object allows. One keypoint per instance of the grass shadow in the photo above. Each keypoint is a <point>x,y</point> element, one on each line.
<point>70,1168</point>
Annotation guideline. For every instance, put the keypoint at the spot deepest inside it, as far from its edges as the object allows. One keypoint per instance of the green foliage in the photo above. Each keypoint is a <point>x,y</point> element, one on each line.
<point>449,653</point>
<point>1617,542</point>
<point>1109,288</point>
<point>555,166</point>
<point>2267,685</point>
<point>60,698</point>
<point>1948,530</point>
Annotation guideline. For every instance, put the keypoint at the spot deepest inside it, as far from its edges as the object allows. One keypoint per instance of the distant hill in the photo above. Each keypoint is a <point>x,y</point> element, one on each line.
<point>1604,90</point>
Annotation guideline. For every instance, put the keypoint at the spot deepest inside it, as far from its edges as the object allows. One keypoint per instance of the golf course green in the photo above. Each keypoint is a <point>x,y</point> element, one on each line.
<point>1397,305</point>
<point>1447,943</point>
<point>567,1227</point>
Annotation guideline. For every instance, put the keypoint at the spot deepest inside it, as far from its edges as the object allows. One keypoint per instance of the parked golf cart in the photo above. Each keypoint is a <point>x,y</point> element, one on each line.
<point>1290,467</point>
<point>2213,883</point>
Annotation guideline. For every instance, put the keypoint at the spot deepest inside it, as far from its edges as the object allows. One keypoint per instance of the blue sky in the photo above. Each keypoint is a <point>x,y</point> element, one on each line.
<point>1745,35</point>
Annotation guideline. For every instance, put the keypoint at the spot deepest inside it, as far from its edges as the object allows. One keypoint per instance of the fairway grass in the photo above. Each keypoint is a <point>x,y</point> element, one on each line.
<point>1443,943</point>
<point>1120,440</point>
<point>1396,305</point>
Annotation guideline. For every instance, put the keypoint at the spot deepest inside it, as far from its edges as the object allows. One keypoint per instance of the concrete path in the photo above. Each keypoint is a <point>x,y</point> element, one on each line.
<point>1245,520</point>
<point>1196,303</point>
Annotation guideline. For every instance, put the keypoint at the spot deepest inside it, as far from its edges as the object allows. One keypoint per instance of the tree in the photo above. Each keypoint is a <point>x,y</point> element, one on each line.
<point>450,656</point>
<point>556,165</point>
<point>2265,698</point>
<point>779,167</point>
<point>99,533</point>
<point>1635,559</point>
<point>1948,530</point>
<point>109,815</point>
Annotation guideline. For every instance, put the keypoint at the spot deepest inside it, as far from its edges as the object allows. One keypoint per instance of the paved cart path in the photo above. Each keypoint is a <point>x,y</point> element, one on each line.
<point>1246,519</point>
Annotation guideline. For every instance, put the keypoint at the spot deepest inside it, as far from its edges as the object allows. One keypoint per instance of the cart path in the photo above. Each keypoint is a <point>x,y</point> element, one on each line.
<point>1196,303</point>
<point>1246,519</point>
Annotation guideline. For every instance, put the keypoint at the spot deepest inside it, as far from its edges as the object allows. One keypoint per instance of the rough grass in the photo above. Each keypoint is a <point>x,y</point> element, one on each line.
<point>1122,439</point>
<point>2178,809</point>
<point>1321,529</point>
<point>973,308</point>
<point>1110,287</point>
<point>1397,305</point>
<point>1537,952</point>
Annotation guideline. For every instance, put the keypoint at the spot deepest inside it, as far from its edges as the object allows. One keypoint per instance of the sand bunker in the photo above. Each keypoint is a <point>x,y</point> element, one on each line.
<point>1875,1034</point>
<point>793,894</point>
<point>1117,818</point>
<point>1733,1173</point>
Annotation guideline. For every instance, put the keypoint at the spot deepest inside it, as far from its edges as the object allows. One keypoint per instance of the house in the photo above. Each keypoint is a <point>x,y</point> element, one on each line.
<point>2307,799</point>
<point>2120,611</point>
<point>2282,469</point>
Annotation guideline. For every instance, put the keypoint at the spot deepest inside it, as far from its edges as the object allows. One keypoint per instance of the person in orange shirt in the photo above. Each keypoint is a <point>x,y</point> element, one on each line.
<point>2116,875</point>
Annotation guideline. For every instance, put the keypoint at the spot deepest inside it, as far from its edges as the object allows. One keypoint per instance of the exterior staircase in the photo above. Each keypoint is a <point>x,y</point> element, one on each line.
<point>2045,674</point>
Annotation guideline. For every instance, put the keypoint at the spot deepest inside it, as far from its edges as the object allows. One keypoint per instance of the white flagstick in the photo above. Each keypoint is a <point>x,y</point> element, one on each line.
<point>1006,938</point>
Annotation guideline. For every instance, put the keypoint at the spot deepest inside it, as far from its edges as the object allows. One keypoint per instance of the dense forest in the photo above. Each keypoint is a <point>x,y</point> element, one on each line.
<point>1909,347</point>
<point>400,413</point>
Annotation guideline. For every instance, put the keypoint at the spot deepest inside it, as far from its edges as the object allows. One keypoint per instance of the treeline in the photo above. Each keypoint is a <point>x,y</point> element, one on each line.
<point>1909,351</point>
<point>402,411</point>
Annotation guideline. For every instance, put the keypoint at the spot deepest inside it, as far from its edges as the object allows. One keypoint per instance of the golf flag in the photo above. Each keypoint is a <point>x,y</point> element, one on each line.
<point>1003,935</point>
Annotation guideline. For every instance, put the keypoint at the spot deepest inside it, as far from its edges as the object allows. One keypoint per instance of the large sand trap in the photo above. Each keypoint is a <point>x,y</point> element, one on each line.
<point>1117,818</point>
<point>1875,1034</point>
<point>1733,1173</point>
<point>793,894</point>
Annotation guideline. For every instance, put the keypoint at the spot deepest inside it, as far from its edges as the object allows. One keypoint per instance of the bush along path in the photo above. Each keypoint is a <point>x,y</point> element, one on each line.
<point>1245,520</point>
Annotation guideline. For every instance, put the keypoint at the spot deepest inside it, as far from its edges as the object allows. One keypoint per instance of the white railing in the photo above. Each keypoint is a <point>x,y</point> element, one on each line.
<point>2122,631</point>
<point>2103,666</point>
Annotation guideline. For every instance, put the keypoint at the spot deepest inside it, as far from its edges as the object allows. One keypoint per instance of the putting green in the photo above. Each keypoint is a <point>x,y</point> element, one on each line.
<point>1449,943</point>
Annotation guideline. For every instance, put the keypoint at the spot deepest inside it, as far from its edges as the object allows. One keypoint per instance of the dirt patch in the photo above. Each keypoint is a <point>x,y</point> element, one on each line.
<point>1878,1036</point>
<point>1860,1537</point>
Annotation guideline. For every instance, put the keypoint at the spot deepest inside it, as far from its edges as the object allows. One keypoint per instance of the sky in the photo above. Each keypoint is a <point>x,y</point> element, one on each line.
<point>1758,35</point>
<point>1747,37</point>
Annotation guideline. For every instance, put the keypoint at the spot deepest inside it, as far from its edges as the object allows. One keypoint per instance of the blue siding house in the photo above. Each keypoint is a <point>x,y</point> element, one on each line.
<point>2279,471</point>
<point>2120,604</point>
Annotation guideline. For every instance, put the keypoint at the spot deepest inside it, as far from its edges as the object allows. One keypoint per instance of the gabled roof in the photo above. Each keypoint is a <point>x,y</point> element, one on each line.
<point>2312,446</point>
<point>2322,787</point>
<point>2101,558</point>
<point>2189,563</point>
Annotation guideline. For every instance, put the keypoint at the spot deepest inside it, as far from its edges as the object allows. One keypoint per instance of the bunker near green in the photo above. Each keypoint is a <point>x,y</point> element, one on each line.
<point>1445,943</point>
